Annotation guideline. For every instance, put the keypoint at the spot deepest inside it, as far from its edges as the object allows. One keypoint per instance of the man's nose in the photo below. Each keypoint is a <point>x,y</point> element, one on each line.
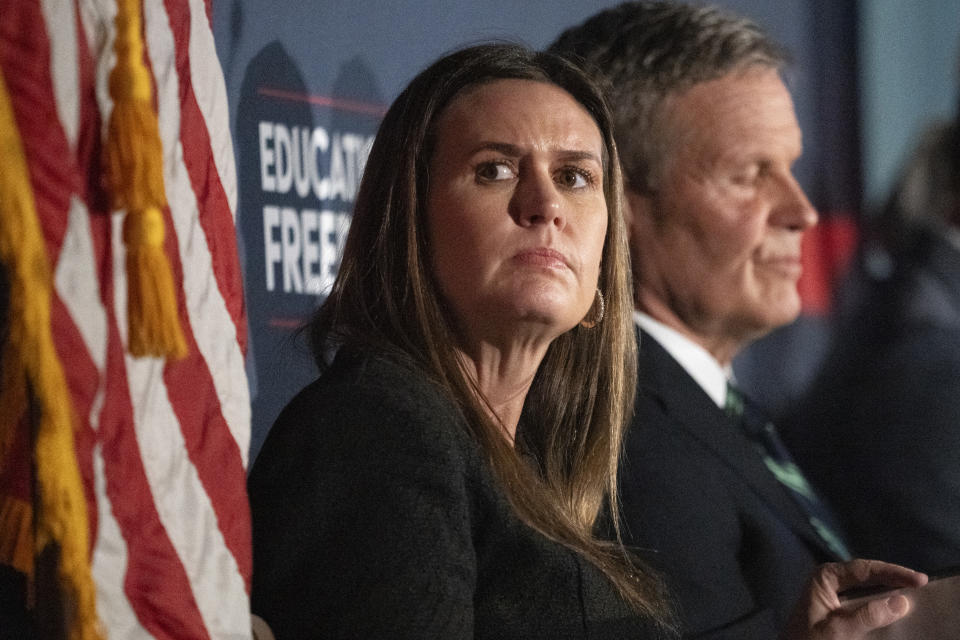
<point>794,209</point>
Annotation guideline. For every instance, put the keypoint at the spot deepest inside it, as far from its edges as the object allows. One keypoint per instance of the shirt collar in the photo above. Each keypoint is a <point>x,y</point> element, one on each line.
<point>696,361</point>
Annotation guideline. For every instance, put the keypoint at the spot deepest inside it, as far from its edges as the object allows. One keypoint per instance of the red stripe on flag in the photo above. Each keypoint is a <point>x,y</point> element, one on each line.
<point>827,251</point>
<point>25,57</point>
<point>209,442</point>
<point>216,219</point>
<point>208,7</point>
<point>156,583</point>
<point>192,393</point>
<point>89,141</point>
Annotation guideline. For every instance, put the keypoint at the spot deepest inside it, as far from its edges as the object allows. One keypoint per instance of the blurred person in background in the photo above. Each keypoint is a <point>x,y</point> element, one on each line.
<point>880,430</point>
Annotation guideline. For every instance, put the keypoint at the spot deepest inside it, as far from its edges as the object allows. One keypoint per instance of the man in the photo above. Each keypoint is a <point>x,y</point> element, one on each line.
<point>708,138</point>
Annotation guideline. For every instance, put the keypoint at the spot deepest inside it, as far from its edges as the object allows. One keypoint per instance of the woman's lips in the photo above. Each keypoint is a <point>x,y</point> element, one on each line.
<point>542,257</point>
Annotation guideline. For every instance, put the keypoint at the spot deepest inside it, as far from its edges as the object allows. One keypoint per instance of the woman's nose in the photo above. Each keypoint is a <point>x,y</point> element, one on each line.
<point>538,201</point>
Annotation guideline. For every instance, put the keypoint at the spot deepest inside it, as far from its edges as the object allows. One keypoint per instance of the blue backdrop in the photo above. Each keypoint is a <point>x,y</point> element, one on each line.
<point>308,83</point>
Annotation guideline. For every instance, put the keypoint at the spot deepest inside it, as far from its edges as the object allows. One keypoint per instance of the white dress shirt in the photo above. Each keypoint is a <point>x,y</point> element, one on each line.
<point>697,361</point>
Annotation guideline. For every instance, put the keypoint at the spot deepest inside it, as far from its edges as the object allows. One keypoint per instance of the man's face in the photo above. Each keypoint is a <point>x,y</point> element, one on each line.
<point>717,244</point>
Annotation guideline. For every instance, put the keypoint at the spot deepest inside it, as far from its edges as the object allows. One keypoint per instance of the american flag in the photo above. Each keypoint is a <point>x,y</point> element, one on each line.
<point>161,446</point>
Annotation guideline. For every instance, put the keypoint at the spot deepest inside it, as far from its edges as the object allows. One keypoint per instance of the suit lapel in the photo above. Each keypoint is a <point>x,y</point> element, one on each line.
<point>691,409</point>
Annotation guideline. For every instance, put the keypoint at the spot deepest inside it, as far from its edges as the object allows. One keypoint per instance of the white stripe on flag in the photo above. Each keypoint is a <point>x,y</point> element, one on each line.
<point>183,505</point>
<point>78,285</point>
<point>211,93</point>
<point>110,565</point>
<point>212,326</point>
<point>97,17</point>
<point>62,34</point>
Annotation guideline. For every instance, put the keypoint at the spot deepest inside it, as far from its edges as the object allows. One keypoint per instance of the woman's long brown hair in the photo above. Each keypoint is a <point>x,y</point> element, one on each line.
<point>385,296</point>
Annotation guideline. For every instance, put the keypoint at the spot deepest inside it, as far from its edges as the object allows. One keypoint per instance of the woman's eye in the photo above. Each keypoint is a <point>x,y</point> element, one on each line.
<point>493,171</point>
<point>573,178</point>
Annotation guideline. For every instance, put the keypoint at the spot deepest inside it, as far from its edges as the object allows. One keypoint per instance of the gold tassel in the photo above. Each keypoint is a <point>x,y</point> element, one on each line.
<point>149,279</point>
<point>61,516</point>
<point>133,162</point>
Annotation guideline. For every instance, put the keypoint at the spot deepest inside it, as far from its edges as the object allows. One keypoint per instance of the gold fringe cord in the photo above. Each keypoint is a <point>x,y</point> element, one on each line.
<point>133,162</point>
<point>62,515</point>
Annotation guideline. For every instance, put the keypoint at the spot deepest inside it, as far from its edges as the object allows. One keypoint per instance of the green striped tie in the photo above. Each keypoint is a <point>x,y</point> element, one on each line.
<point>778,460</point>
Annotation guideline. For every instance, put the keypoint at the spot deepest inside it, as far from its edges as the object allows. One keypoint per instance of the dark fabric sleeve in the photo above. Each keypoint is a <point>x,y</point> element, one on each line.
<point>361,520</point>
<point>904,454</point>
<point>678,516</point>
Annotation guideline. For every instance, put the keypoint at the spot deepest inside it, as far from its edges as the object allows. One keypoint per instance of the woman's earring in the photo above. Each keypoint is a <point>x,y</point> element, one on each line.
<point>599,307</point>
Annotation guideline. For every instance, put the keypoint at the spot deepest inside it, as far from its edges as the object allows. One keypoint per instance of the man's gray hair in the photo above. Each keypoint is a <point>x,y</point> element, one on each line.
<point>644,52</point>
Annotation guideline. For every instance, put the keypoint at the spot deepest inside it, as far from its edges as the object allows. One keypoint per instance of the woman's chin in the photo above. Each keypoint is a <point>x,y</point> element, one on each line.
<point>544,315</point>
<point>555,318</point>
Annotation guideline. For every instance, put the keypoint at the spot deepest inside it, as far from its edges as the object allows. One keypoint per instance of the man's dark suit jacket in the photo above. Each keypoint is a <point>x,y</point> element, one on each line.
<point>699,504</point>
<point>376,515</point>
<point>879,433</point>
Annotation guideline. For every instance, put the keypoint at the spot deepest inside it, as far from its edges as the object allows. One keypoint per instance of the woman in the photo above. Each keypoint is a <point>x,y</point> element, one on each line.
<point>443,477</point>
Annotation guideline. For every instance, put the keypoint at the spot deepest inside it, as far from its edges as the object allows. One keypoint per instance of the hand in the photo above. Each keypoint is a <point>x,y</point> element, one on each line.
<point>819,615</point>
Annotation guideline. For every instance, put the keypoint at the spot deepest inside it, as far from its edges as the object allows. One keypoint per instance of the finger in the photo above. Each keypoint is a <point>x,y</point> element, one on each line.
<point>874,572</point>
<point>875,614</point>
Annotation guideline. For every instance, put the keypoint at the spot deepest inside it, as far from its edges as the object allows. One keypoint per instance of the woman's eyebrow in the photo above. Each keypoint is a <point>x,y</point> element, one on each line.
<point>513,150</point>
<point>503,147</point>
<point>574,154</point>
